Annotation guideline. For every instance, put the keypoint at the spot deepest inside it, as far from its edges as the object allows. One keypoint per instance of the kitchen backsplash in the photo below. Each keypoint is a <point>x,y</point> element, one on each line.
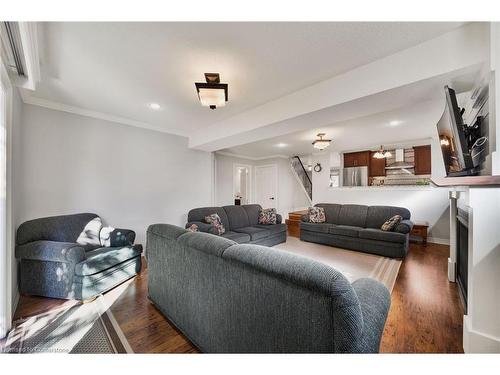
<point>401,176</point>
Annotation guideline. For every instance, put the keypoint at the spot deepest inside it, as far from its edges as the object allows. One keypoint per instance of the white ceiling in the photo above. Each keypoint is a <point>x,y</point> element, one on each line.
<point>392,128</point>
<point>118,68</point>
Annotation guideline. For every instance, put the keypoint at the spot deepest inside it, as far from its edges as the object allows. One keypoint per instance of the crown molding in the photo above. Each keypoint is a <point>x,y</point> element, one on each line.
<point>254,158</point>
<point>28,99</point>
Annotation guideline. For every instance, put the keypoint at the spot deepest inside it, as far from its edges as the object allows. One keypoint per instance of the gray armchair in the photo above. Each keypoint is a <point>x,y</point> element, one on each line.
<point>74,257</point>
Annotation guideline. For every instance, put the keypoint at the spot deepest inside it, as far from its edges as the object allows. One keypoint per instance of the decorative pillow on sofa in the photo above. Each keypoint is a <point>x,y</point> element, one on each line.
<point>193,228</point>
<point>391,223</point>
<point>216,222</point>
<point>317,215</point>
<point>267,216</point>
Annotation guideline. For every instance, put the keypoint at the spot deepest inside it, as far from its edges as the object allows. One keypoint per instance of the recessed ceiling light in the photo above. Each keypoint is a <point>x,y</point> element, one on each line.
<point>281,145</point>
<point>395,123</point>
<point>154,106</point>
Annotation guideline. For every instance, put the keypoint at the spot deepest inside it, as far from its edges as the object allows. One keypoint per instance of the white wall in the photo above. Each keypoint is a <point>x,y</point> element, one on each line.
<point>427,204</point>
<point>131,177</point>
<point>290,196</point>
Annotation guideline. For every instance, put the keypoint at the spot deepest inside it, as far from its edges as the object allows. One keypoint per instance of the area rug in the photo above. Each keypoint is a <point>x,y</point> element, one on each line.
<point>353,264</point>
<point>88,328</point>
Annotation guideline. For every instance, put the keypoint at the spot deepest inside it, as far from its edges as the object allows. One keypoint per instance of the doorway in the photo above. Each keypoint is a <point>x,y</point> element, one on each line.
<point>266,185</point>
<point>242,183</point>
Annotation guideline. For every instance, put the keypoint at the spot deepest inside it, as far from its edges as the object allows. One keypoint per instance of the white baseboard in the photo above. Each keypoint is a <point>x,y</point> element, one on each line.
<point>440,241</point>
<point>478,342</point>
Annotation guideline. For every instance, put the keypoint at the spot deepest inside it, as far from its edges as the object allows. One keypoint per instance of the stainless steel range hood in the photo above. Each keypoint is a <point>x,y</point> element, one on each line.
<point>400,162</point>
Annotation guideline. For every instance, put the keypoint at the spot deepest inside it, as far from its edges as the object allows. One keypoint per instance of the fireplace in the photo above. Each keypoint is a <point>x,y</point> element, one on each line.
<point>462,253</point>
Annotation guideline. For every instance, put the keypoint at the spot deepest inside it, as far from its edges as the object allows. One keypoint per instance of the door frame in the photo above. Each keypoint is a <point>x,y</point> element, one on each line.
<point>275,166</point>
<point>250,180</point>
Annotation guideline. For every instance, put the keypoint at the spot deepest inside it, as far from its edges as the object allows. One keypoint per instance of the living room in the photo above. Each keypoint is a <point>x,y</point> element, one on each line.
<point>250,187</point>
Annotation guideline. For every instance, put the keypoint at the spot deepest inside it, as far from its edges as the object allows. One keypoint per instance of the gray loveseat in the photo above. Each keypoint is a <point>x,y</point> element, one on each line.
<point>357,227</point>
<point>241,298</point>
<point>70,257</point>
<point>241,224</point>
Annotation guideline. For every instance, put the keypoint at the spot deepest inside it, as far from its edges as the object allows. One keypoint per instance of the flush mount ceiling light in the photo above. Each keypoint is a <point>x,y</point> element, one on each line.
<point>382,154</point>
<point>321,143</point>
<point>212,93</point>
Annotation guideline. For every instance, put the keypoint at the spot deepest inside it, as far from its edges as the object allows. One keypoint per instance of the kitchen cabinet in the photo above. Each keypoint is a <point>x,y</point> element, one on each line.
<point>377,166</point>
<point>357,159</point>
<point>422,155</point>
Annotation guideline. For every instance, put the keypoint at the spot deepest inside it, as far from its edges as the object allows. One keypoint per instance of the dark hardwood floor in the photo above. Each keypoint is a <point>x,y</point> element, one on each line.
<point>425,316</point>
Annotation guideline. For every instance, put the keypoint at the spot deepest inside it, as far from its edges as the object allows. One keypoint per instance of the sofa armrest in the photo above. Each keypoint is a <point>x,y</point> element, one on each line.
<point>279,219</point>
<point>51,251</point>
<point>375,301</point>
<point>304,218</point>
<point>203,227</point>
<point>404,227</point>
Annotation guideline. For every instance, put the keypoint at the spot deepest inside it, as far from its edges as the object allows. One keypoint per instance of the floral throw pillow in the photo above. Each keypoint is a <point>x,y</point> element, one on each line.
<point>317,215</point>
<point>216,222</point>
<point>267,216</point>
<point>193,228</point>
<point>391,223</point>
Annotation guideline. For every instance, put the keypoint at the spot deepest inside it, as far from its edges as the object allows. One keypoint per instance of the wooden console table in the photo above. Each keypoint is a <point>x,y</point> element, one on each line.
<point>293,223</point>
<point>420,230</point>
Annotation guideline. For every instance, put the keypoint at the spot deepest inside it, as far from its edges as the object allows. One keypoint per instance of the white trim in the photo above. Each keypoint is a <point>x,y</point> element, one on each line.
<point>28,99</point>
<point>6,279</point>
<point>478,342</point>
<point>29,41</point>
<point>440,241</point>
<point>277,156</point>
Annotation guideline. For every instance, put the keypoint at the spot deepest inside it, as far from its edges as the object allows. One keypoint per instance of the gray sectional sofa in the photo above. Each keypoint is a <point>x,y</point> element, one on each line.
<point>63,257</point>
<point>241,224</point>
<point>241,298</point>
<point>357,227</point>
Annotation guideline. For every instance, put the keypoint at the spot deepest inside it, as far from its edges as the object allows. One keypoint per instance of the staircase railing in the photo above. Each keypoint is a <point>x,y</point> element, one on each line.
<point>303,176</point>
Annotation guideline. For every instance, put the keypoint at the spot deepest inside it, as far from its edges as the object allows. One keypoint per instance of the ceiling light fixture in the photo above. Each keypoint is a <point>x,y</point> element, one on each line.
<point>321,143</point>
<point>154,106</point>
<point>382,154</point>
<point>212,93</point>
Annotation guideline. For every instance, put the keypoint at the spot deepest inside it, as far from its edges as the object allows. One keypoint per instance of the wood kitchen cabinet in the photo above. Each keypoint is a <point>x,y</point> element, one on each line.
<point>377,166</point>
<point>422,159</point>
<point>357,159</point>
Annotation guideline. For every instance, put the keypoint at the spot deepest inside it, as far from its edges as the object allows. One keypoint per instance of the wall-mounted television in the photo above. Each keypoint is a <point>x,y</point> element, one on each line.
<point>457,139</point>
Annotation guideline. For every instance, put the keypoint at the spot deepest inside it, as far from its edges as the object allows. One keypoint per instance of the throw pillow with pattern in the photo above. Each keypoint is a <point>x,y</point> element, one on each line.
<point>193,228</point>
<point>317,215</point>
<point>267,216</point>
<point>216,222</point>
<point>391,223</point>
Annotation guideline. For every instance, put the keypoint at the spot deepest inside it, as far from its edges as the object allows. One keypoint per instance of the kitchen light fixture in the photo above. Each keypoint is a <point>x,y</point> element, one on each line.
<point>382,154</point>
<point>321,143</point>
<point>212,93</point>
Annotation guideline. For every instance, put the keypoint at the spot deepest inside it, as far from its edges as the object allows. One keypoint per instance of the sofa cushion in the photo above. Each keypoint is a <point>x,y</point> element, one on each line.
<point>252,211</point>
<point>237,217</point>
<point>390,224</point>
<point>199,214</point>
<point>254,233</point>
<point>377,215</point>
<point>317,215</point>
<point>237,237</point>
<point>344,230</point>
<point>273,229</point>
<point>316,227</point>
<point>353,215</point>
<point>332,212</point>
<point>380,235</point>
<point>216,222</point>
<point>106,257</point>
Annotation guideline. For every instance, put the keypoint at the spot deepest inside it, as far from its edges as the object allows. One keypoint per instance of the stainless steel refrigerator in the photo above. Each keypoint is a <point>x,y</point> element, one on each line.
<point>355,176</point>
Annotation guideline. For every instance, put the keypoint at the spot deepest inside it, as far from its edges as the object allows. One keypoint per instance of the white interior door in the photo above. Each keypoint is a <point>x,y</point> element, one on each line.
<point>266,186</point>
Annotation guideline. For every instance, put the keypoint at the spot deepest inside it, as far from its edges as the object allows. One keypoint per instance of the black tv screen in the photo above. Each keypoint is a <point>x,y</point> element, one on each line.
<point>452,138</point>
